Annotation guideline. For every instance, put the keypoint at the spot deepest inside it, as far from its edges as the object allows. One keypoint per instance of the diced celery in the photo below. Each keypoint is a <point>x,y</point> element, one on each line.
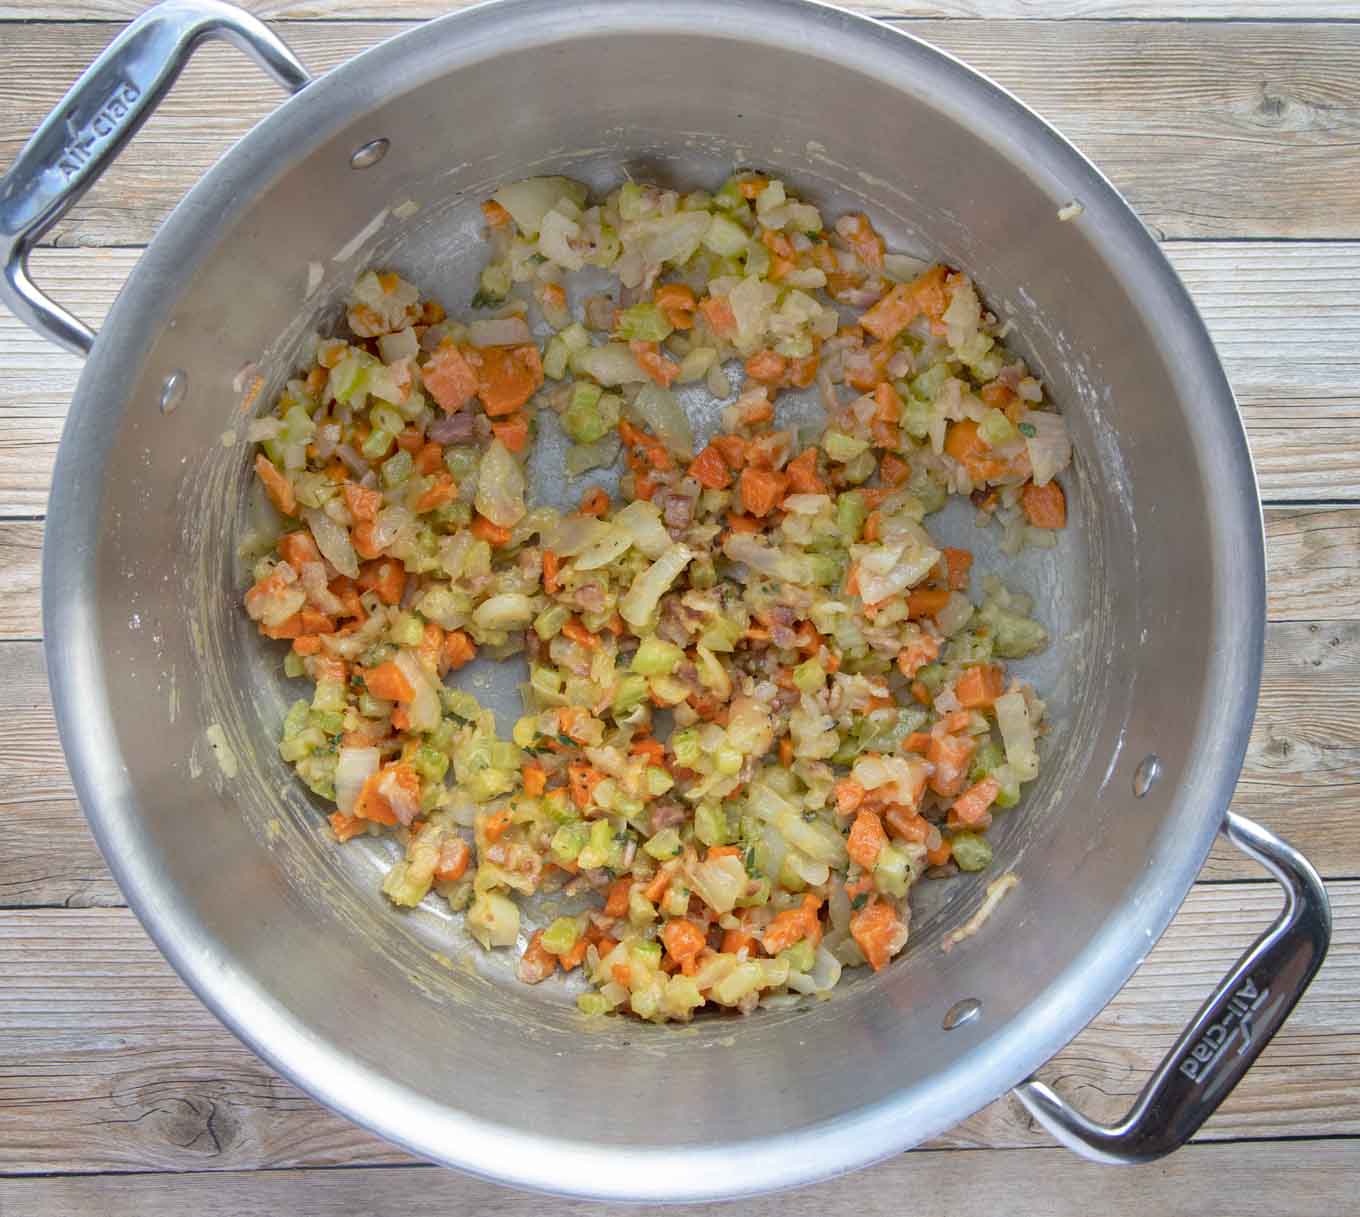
<point>825,570</point>
<point>561,935</point>
<point>932,676</point>
<point>711,826</point>
<point>757,894</point>
<point>685,745</point>
<point>658,781</point>
<point>730,197</point>
<point>495,282</point>
<point>630,201</point>
<point>569,840</point>
<point>371,707</point>
<point>643,323</point>
<point>304,743</point>
<point>722,634</point>
<point>461,462</point>
<point>757,260</point>
<point>557,807</point>
<point>851,512</point>
<point>295,721</point>
<point>600,846</point>
<point>985,759</point>
<point>841,447</point>
<point>329,695</point>
<point>397,468</point>
<point>809,677</point>
<point>892,871</point>
<point>631,691</point>
<point>376,445</point>
<point>641,911</point>
<point>548,624</point>
<point>486,784</point>
<point>859,468</point>
<point>971,851</point>
<point>329,721</point>
<point>930,382</point>
<point>292,665</point>
<point>656,657</point>
<point>800,957</point>
<point>545,681</point>
<point>555,358</point>
<point>725,237</point>
<point>591,414</point>
<point>728,760</point>
<point>675,903</point>
<point>592,1005</point>
<point>407,630</point>
<point>1013,636</point>
<point>996,429</point>
<point>461,703</point>
<point>576,337</point>
<point>664,845</point>
<point>430,763</point>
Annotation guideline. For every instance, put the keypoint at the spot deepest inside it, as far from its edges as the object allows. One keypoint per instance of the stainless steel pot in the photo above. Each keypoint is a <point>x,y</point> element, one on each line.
<point>1156,596</point>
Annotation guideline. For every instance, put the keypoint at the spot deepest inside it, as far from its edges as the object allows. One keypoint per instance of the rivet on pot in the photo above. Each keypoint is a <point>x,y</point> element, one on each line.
<point>1148,771</point>
<point>961,1012</point>
<point>173,390</point>
<point>369,154</point>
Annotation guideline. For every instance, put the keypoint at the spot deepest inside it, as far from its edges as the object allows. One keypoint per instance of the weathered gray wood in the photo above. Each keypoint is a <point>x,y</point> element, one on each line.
<point>1303,1179</point>
<point>1048,10</point>
<point>1233,129</point>
<point>1285,316</point>
<point>107,1062</point>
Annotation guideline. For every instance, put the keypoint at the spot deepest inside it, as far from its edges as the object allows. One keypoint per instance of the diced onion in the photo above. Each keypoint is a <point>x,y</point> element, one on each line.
<point>353,768</point>
<point>333,542</point>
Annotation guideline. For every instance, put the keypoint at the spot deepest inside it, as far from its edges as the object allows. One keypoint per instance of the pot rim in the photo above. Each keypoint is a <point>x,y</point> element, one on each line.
<point>1003,1056</point>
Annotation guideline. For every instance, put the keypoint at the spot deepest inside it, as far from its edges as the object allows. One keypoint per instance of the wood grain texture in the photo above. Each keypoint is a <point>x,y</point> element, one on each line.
<point>1048,10</point>
<point>1303,1179</point>
<point>1238,129</point>
<point>107,1062</point>
<point>1285,317</point>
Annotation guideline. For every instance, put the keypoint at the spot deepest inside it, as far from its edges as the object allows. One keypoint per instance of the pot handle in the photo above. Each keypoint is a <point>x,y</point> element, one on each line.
<point>1228,1033</point>
<point>96,118</point>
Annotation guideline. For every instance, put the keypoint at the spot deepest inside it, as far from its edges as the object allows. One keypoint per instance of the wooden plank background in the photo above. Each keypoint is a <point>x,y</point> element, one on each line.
<point>1231,126</point>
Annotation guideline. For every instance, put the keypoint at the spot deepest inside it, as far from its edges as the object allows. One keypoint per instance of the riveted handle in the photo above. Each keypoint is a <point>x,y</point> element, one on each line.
<point>1228,1033</point>
<point>96,118</point>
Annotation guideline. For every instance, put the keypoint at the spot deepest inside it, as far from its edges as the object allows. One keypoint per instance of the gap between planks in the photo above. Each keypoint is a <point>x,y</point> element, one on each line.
<point>1284,316</point>
<point>109,1063</point>
<point>1210,129</point>
<point>1303,1179</point>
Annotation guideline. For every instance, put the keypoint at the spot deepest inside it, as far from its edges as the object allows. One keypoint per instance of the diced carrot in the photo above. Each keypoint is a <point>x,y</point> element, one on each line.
<point>1044,506</point>
<point>297,549</point>
<point>803,371</point>
<point>907,825</point>
<point>386,576</point>
<point>458,649</point>
<point>388,682</point>
<point>495,825</point>
<point>997,395</point>
<point>683,940</point>
<point>582,780</point>
<point>307,644</point>
<point>650,747</point>
<point>365,539</point>
<point>535,779</point>
<point>373,805</point>
<point>733,449</point>
<point>508,377</point>
<point>401,720</point>
<point>921,692</point>
<point>552,568</point>
<point>735,940</point>
<point>430,649</point>
<point>595,502</point>
<point>802,474</point>
<point>430,458</point>
<point>759,409</point>
<point>442,489</point>
<point>916,654</point>
<point>979,687</point>
<point>654,363</point>
<point>644,486</point>
<point>409,439</point>
<point>492,534</point>
<point>677,301</point>
<point>786,752</point>
<point>893,470</point>
<point>616,903</point>
<point>717,312</point>
<point>866,839</point>
<point>958,562</point>
<point>926,601</point>
<point>537,963</point>
<point>454,856</point>
<point>891,315</point>
<point>950,755</point>
<point>849,795</point>
<point>575,955</point>
<point>793,925</point>
<point>866,243</point>
<point>710,470</point>
<point>767,367</point>
<point>722,851</point>
<point>645,444</point>
<point>761,490</point>
<point>873,526</point>
<point>314,622</point>
<point>917,741</point>
<point>621,974</point>
<point>965,444</point>
<point>875,930</point>
<point>752,186</point>
<point>449,378</point>
<point>513,432</point>
<point>363,504</point>
<point>494,214</point>
<point>578,634</point>
<point>276,486</point>
<point>656,889</point>
<point>970,808</point>
<point>740,523</point>
<point>345,826</point>
<point>940,854</point>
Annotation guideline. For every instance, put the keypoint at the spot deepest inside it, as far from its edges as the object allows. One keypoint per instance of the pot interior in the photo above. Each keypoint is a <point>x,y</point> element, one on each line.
<point>396,1017</point>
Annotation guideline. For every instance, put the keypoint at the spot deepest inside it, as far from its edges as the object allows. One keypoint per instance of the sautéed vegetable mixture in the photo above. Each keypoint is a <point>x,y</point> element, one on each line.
<point>761,702</point>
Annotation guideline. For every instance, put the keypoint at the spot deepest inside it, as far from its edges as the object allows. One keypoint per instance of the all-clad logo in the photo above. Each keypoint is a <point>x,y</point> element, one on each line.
<point>1233,1024</point>
<point>83,142</point>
